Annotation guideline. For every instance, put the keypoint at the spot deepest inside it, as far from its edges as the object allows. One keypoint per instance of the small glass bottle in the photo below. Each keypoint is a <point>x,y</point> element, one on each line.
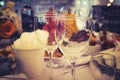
<point>104,40</point>
<point>27,14</point>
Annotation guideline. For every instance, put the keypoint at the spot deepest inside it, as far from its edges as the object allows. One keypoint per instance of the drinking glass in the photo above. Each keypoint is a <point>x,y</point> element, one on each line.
<point>51,46</point>
<point>51,21</point>
<point>50,50</point>
<point>74,38</point>
<point>103,66</point>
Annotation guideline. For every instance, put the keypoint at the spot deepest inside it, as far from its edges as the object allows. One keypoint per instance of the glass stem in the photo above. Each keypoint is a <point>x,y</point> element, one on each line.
<point>73,70</point>
<point>51,71</point>
<point>51,77</point>
<point>50,56</point>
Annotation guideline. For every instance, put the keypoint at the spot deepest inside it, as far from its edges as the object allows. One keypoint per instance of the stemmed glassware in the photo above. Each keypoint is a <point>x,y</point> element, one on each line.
<point>50,49</point>
<point>52,46</point>
<point>74,38</point>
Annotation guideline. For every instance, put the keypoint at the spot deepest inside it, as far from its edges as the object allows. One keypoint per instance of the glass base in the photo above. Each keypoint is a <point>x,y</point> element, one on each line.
<point>55,64</point>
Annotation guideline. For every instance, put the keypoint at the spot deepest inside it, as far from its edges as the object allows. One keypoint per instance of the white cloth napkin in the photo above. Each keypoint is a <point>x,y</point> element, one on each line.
<point>92,50</point>
<point>84,57</point>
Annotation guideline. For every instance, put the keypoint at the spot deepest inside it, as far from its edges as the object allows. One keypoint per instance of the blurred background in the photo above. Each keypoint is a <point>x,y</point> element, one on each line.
<point>38,4</point>
<point>103,11</point>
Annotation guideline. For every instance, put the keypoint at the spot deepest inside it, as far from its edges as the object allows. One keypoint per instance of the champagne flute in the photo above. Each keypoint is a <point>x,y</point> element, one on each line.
<point>59,33</point>
<point>50,49</point>
<point>52,42</point>
<point>51,46</point>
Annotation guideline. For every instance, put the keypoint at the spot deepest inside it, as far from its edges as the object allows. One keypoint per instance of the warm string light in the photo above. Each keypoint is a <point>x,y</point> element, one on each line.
<point>2,3</point>
<point>110,2</point>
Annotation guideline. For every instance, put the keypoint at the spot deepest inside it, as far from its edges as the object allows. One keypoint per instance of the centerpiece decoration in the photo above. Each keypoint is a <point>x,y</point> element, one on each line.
<point>29,51</point>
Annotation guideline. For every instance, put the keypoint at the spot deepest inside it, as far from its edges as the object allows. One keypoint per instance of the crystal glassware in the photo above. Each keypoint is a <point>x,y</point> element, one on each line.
<point>103,66</point>
<point>74,38</point>
<point>51,22</point>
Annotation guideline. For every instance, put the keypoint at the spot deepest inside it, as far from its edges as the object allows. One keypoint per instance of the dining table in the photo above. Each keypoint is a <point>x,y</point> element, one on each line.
<point>82,70</point>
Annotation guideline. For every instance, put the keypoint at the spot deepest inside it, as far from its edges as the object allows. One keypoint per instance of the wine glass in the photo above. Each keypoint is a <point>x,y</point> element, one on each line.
<point>50,49</point>
<point>75,38</point>
<point>103,66</point>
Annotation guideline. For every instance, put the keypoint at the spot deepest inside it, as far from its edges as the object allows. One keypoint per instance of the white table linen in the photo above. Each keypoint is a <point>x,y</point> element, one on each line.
<point>82,71</point>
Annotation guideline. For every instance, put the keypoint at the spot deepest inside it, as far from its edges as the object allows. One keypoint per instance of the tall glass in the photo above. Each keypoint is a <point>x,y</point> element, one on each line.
<point>74,38</point>
<point>51,22</point>
<point>103,66</point>
<point>52,44</point>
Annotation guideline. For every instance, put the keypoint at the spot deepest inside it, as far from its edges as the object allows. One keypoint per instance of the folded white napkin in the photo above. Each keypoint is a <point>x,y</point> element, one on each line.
<point>81,58</point>
<point>93,50</point>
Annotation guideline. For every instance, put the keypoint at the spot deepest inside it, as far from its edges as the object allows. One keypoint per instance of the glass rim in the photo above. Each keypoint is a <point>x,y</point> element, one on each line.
<point>102,54</point>
<point>17,49</point>
<point>96,58</point>
<point>65,17</point>
<point>75,17</point>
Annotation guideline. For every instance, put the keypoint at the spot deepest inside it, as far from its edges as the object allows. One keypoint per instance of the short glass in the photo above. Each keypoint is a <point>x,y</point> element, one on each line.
<point>103,66</point>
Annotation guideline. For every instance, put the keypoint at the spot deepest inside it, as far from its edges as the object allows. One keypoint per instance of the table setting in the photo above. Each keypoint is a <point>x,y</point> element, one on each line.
<point>82,70</point>
<point>77,53</point>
